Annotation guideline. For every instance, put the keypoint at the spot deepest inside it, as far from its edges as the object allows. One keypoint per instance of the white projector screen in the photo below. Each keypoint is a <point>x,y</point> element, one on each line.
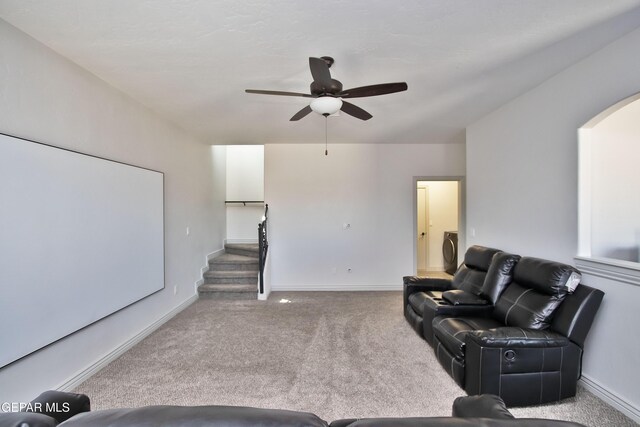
<point>81,237</point>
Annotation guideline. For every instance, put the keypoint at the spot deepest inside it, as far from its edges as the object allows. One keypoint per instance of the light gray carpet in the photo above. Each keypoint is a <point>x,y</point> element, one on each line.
<point>336,354</point>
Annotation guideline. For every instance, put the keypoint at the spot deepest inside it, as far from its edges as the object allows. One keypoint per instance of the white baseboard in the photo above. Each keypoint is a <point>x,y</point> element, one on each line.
<point>340,287</point>
<point>611,398</point>
<point>214,254</point>
<point>91,370</point>
<point>204,269</point>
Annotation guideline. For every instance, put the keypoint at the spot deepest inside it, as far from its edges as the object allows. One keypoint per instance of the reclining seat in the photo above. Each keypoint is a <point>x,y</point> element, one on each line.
<point>456,303</point>
<point>530,350</point>
<point>469,278</point>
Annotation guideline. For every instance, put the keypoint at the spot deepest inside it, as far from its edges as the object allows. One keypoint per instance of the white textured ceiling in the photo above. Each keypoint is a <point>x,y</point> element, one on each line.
<point>190,60</point>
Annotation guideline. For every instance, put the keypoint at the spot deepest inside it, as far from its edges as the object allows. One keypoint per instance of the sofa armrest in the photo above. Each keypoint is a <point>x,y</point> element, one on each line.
<point>514,337</point>
<point>60,405</point>
<point>482,406</point>
<point>427,283</point>
<point>460,297</point>
<point>413,284</point>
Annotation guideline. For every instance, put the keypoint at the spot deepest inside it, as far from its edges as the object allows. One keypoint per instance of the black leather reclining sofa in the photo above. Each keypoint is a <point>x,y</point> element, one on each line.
<point>54,408</point>
<point>506,325</point>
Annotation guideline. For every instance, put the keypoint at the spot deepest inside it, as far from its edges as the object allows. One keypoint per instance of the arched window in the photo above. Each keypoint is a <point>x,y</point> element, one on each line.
<point>609,188</point>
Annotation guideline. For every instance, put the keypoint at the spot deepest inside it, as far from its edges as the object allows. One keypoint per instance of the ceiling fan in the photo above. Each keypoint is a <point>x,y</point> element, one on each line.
<point>328,95</point>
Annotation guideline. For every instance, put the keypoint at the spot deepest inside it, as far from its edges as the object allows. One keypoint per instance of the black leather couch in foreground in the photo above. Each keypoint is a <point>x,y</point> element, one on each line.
<point>72,410</point>
<point>510,326</point>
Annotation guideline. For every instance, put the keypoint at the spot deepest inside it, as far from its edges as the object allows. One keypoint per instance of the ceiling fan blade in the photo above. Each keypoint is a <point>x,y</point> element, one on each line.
<point>277,92</point>
<point>300,114</point>
<point>373,90</point>
<point>355,111</point>
<point>320,72</point>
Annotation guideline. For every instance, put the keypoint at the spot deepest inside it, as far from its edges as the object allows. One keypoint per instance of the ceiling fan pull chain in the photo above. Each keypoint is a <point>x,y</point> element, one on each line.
<point>326,150</point>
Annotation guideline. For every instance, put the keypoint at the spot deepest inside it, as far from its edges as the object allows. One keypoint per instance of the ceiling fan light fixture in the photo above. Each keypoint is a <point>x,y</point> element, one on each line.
<point>326,105</point>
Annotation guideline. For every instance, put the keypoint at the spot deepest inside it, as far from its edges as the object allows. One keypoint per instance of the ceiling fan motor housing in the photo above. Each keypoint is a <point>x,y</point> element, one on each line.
<point>318,89</point>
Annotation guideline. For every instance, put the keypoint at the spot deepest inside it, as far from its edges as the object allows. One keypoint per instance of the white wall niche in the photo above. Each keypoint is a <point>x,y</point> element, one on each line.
<point>608,207</point>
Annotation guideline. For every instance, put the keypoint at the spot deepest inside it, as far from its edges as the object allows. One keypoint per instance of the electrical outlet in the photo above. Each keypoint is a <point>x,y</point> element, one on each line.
<point>348,270</point>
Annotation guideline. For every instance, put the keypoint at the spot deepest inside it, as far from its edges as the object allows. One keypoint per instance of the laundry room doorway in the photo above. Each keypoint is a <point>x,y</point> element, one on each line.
<point>438,207</point>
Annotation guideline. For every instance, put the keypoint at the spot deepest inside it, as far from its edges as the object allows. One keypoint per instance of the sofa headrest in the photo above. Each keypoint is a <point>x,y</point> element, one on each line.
<point>60,405</point>
<point>499,276</point>
<point>236,416</point>
<point>479,257</point>
<point>26,419</point>
<point>481,406</point>
<point>549,277</point>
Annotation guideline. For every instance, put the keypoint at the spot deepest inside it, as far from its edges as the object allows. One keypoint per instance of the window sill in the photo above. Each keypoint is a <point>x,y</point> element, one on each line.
<point>618,270</point>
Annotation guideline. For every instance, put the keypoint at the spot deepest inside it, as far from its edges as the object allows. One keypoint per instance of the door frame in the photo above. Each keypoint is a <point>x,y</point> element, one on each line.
<point>427,231</point>
<point>462,217</point>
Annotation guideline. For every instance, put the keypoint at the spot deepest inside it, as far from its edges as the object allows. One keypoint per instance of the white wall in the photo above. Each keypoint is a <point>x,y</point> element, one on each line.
<point>46,98</point>
<point>615,201</point>
<point>245,172</point>
<point>242,223</point>
<point>371,187</point>
<point>522,195</point>
<point>245,181</point>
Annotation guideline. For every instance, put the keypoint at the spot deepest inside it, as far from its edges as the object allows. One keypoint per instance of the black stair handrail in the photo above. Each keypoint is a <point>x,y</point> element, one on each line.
<point>263,246</point>
<point>244,202</point>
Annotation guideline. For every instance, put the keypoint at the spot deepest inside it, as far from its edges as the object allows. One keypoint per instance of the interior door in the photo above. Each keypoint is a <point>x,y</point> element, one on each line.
<point>422,229</point>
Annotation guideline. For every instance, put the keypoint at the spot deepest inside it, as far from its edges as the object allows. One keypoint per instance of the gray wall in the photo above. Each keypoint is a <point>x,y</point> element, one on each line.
<point>47,98</point>
<point>369,186</point>
<point>522,196</point>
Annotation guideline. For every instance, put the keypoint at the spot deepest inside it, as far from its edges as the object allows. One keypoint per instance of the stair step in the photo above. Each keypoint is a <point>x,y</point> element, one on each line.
<point>239,277</point>
<point>221,287</point>
<point>227,291</point>
<point>235,274</point>
<point>246,249</point>
<point>232,262</point>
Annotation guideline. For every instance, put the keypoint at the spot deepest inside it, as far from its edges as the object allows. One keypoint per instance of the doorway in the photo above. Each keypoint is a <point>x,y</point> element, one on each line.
<point>437,223</point>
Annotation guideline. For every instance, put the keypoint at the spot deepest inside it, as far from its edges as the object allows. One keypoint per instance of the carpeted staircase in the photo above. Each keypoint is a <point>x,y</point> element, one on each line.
<point>232,275</point>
